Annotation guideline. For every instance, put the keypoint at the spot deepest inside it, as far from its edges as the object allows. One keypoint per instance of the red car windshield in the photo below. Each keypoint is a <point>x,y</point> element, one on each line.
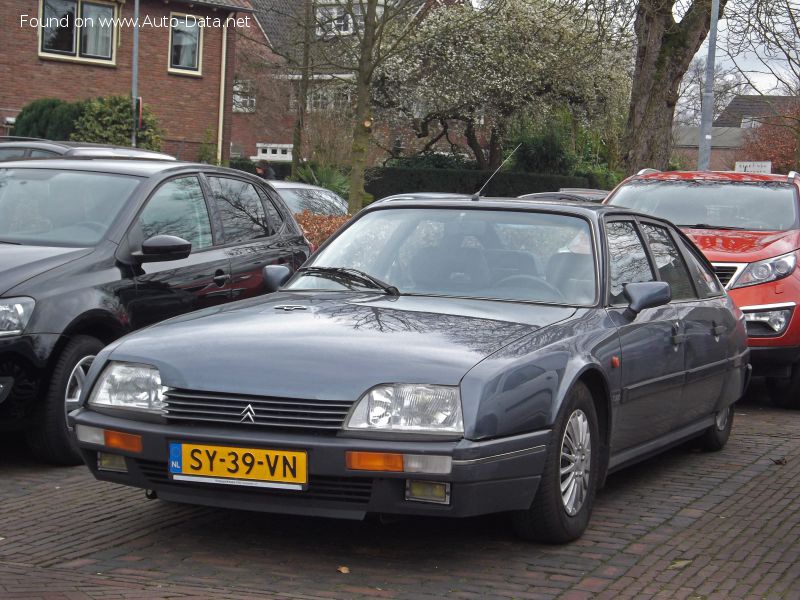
<point>705,204</point>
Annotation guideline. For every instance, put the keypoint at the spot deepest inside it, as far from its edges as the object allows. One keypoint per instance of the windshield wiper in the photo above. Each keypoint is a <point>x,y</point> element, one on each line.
<point>708,226</point>
<point>352,275</point>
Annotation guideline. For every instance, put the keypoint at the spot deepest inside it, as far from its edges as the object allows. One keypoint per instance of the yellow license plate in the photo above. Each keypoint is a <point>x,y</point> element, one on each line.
<point>226,465</point>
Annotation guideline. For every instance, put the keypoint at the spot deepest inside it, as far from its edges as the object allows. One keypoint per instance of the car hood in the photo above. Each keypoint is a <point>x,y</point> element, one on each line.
<point>20,263</point>
<point>330,346</point>
<point>743,246</point>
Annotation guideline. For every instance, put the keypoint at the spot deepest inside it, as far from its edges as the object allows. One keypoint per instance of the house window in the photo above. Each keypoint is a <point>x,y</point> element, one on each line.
<point>79,29</point>
<point>186,45</point>
<point>244,97</point>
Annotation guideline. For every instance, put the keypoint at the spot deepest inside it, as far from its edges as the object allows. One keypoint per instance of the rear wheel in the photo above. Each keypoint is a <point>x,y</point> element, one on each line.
<point>716,436</point>
<point>785,391</point>
<point>563,504</point>
<point>50,439</point>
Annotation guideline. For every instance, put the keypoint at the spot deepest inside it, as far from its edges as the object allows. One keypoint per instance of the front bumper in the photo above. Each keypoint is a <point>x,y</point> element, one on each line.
<point>486,477</point>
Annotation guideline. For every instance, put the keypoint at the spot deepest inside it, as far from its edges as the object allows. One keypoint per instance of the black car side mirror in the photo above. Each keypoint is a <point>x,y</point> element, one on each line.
<point>645,294</point>
<point>275,276</point>
<point>161,248</point>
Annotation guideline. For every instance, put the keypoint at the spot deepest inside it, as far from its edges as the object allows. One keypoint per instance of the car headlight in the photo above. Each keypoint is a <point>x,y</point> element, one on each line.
<point>129,386</point>
<point>410,408</point>
<point>767,270</point>
<point>14,315</point>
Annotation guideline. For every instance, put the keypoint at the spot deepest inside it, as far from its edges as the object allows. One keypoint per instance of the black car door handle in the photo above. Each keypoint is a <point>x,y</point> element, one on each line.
<point>677,337</point>
<point>221,278</point>
<point>718,330</point>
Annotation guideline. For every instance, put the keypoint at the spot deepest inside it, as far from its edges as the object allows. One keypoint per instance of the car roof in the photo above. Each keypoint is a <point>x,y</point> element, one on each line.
<point>732,176</point>
<point>119,166</point>
<point>82,148</point>
<point>280,184</point>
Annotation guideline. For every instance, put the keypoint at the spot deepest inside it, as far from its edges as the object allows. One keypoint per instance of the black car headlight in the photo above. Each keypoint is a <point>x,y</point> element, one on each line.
<point>409,408</point>
<point>129,386</point>
<point>770,269</point>
<point>14,315</point>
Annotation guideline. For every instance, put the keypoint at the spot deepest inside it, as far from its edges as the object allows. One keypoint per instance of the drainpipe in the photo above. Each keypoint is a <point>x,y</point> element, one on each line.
<point>135,76</point>
<point>222,97</point>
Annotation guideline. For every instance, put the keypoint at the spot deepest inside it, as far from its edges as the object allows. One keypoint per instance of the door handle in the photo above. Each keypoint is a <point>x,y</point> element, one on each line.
<point>677,337</point>
<point>221,278</point>
<point>718,330</point>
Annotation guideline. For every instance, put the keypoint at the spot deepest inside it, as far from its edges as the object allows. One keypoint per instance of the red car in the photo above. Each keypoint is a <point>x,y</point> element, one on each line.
<point>748,226</point>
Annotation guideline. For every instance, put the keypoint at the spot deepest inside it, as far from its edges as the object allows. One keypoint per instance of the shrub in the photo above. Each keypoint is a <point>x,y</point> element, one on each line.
<point>599,176</point>
<point>382,182</point>
<point>326,176</point>
<point>208,148</point>
<point>319,228</point>
<point>544,152</point>
<point>48,118</point>
<point>433,160</point>
<point>109,120</point>
<point>243,164</point>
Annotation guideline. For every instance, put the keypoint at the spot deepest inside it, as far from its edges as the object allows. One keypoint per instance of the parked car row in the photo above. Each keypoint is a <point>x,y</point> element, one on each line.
<point>441,354</point>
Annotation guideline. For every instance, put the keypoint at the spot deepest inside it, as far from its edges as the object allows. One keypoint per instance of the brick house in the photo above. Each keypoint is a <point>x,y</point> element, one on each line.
<point>80,49</point>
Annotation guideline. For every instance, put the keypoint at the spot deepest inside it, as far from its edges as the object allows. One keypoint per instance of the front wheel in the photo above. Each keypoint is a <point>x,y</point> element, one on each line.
<point>50,439</point>
<point>563,504</point>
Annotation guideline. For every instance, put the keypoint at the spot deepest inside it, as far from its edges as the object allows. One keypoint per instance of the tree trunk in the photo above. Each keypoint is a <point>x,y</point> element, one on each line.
<point>663,53</point>
<point>496,147</point>
<point>474,144</point>
<point>302,99</point>
<point>363,119</point>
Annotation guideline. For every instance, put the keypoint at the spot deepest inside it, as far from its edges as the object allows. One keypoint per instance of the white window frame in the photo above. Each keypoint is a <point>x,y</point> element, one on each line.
<point>198,72</point>
<point>75,55</point>
<point>274,153</point>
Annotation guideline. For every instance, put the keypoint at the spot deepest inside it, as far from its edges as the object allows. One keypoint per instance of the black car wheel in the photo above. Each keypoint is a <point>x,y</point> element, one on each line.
<point>563,504</point>
<point>716,436</point>
<point>785,391</point>
<point>50,438</point>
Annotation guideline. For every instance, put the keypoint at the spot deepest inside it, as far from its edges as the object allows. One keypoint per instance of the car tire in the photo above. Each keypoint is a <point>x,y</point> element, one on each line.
<point>50,438</point>
<point>551,517</point>
<point>716,436</point>
<point>785,391</point>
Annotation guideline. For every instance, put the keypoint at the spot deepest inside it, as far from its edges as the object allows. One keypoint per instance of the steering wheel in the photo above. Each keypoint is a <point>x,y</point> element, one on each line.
<point>529,282</point>
<point>96,225</point>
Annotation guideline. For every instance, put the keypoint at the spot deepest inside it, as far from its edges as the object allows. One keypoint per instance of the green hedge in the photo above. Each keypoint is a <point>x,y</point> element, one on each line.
<point>385,181</point>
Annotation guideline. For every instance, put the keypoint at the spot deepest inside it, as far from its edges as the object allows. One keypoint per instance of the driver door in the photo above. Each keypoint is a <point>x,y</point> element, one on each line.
<point>167,289</point>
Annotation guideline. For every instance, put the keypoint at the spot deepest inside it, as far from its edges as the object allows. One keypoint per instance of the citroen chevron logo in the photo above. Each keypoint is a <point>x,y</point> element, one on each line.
<point>248,414</point>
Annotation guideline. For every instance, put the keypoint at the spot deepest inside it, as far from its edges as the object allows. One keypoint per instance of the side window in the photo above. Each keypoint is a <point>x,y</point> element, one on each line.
<point>274,216</point>
<point>178,208</point>
<point>241,209</point>
<point>42,154</point>
<point>704,279</point>
<point>669,262</point>
<point>627,259</point>
<point>11,153</point>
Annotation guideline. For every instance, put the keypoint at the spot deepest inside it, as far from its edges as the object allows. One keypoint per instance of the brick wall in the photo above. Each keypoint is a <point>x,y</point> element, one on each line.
<point>187,107</point>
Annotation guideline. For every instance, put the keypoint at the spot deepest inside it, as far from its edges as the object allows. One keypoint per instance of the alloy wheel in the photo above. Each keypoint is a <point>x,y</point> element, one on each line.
<point>576,459</point>
<point>75,384</point>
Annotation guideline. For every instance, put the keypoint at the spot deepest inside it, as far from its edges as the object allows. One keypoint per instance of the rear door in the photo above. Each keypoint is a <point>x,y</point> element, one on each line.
<point>167,289</point>
<point>254,233</point>
<point>652,355</point>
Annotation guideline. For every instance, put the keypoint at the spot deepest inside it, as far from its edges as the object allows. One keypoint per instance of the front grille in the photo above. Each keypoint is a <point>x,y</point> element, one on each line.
<point>318,416</point>
<point>357,490</point>
<point>725,273</point>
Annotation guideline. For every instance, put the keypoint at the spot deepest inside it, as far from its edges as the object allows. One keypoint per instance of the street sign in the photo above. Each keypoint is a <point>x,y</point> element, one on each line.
<point>763,167</point>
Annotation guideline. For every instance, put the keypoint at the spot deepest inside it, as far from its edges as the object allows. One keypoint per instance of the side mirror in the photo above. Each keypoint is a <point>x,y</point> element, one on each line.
<point>275,276</point>
<point>161,248</point>
<point>645,294</point>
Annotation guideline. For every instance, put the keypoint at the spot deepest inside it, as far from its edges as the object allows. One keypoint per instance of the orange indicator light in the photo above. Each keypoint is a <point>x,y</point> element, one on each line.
<point>374,461</point>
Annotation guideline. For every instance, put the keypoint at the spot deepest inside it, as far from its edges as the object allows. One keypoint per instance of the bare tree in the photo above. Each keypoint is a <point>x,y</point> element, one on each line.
<point>728,83</point>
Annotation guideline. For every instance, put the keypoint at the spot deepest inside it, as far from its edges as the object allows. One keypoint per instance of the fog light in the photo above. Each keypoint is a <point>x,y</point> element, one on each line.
<point>427,491</point>
<point>776,320</point>
<point>90,435</point>
<point>111,462</point>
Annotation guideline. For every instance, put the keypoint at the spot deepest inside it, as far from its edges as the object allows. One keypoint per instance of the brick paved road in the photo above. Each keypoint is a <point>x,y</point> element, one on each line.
<point>683,525</point>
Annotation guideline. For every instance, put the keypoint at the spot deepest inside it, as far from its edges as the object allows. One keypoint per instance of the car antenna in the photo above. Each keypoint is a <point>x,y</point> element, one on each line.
<point>477,195</point>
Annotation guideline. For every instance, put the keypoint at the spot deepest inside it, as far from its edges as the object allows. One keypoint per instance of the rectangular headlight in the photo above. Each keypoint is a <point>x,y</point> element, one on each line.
<point>129,386</point>
<point>411,408</point>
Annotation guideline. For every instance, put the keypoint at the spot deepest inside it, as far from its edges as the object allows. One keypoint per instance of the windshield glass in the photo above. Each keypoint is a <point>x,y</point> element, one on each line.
<point>754,206</point>
<point>509,255</point>
<point>319,202</point>
<point>48,207</point>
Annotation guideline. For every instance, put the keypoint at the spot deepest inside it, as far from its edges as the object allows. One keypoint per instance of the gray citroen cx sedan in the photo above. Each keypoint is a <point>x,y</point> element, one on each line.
<point>442,357</point>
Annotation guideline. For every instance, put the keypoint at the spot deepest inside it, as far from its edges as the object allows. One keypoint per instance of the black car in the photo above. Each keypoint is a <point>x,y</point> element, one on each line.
<point>93,249</point>
<point>18,148</point>
<point>435,357</point>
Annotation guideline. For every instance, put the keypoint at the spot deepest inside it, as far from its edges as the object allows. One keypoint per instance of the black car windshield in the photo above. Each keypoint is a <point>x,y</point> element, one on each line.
<point>50,207</point>
<point>319,202</point>
<point>710,204</point>
<point>509,255</point>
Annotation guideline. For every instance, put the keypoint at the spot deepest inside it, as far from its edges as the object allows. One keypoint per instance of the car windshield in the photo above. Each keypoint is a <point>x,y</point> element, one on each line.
<point>753,206</point>
<point>49,207</point>
<point>510,255</point>
<point>319,202</point>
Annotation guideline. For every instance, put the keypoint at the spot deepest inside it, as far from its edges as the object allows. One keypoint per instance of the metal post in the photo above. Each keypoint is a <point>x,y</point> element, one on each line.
<point>135,76</point>
<point>707,116</point>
